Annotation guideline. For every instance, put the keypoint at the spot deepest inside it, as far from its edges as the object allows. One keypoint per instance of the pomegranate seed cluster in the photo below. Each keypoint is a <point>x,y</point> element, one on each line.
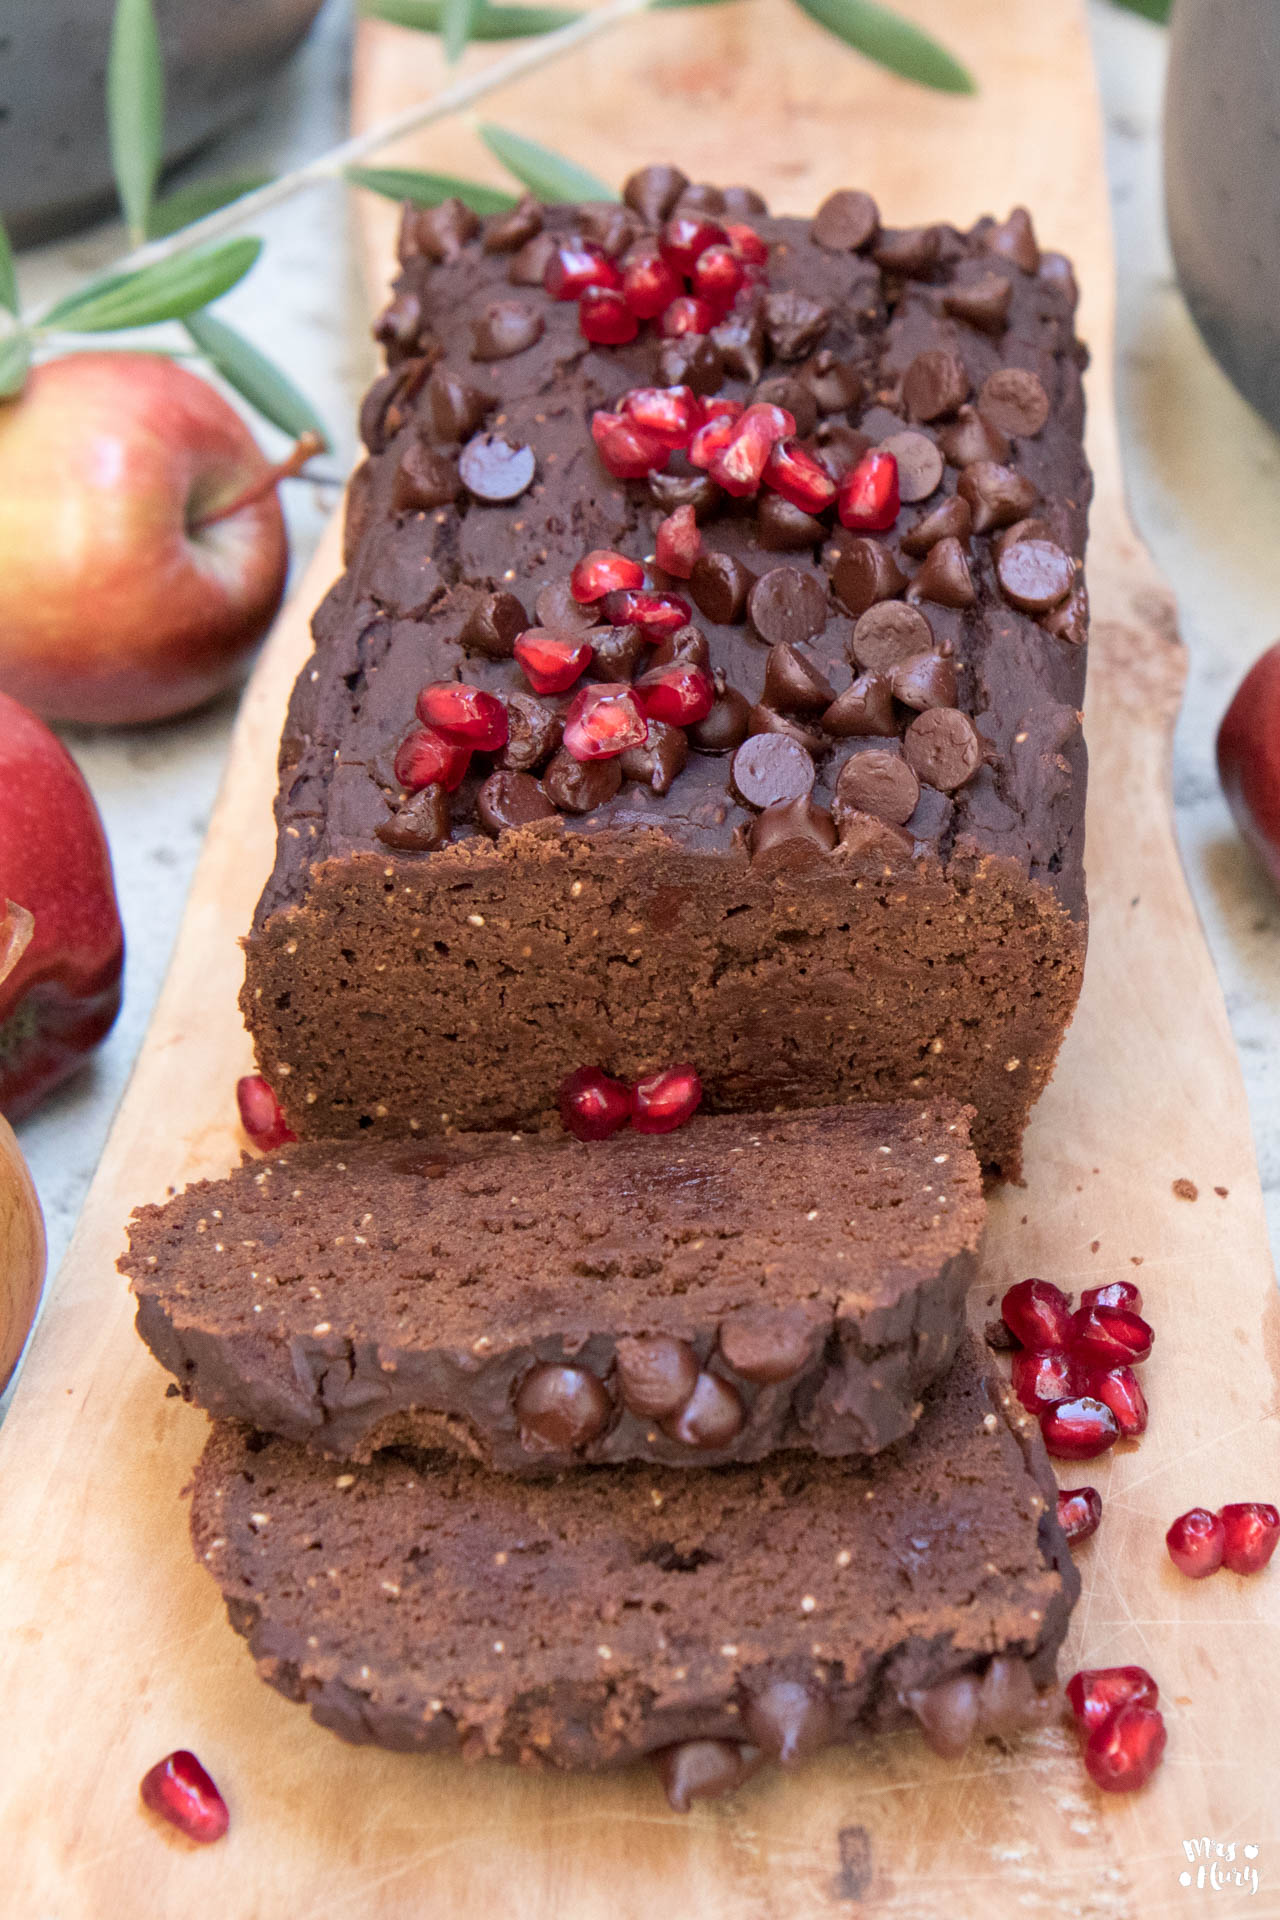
<point>1241,1537</point>
<point>1120,1724</point>
<point>1075,1370</point>
<point>593,1105</point>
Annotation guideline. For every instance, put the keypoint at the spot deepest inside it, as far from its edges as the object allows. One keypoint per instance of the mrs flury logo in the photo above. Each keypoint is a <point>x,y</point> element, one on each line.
<point>1219,1865</point>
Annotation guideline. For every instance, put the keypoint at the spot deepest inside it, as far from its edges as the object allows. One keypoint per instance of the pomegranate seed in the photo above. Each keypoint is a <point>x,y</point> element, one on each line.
<point>686,315</point>
<point>551,665</point>
<point>739,464</point>
<point>748,245</point>
<point>602,722</point>
<point>577,265</point>
<point>426,759</point>
<point>685,236</point>
<point>656,614</point>
<point>869,493</point>
<point>605,319</point>
<point>1252,1528</point>
<point>1122,1755</point>
<point>1196,1541</point>
<point>649,285</point>
<point>679,542</point>
<point>1040,1380</point>
<point>796,475</point>
<point>711,439</point>
<point>1079,1429</point>
<point>628,451</point>
<point>592,1106</point>
<point>600,572</point>
<point>1118,1389</point>
<point>1096,1693</point>
<point>1110,1336</point>
<point>1038,1315</point>
<point>181,1792</point>
<point>1079,1513</point>
<point>261,1114</point>
<point>1117,1293</point>
<point>679,695</point>
<point>467,715</point>
<point>717,275</point>
<point>673,412</point>
<point>661,1102</point>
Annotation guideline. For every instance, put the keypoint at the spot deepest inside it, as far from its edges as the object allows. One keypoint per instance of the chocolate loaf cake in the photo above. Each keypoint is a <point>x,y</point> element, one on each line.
<point>424,1605</point>
<point>746,1284</point>
<point>806,808</point>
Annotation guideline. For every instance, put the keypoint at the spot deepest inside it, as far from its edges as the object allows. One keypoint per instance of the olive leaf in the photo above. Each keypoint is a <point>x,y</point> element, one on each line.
<point>186,204</point>
<point>546,174</point>
<point>1157,10</point>
<point>488,23</point>
<point>429,189</point>
<point>456,21</point>
<point>135,109</point>
<point>892,42</point>
<point>170,290</point>
<point>254,377</point>
<point>15,358</point>
<point>8,273</point>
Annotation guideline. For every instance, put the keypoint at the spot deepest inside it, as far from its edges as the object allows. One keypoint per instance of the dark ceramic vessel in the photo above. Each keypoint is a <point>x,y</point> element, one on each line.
<point>55,171</point>
<point>1222,183</point>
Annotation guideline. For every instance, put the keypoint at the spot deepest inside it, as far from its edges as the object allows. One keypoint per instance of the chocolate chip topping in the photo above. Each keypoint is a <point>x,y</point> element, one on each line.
<point>794,322</point>
<point>996,494</point>
<point>970,436</point>
<point>703,1770</point>
<point>888,632</point>
<point>924,680</point>
<point>725,727</point>
<point>701,197</point>
<point>506,327</point>
<point>948,1713</point>
<point>869,845</point>
<point>656,763</point>
<point>693,360</point>
<point>787,605</point>
<point>611,227</point>
<point>696,490</point>
<point>711,1416</point>
<point>789,1721</point>
<point>1013,400</point>
<point>840,447</point>
<point>907,250</point>
<point>397,326</point>
<point>419,824</point>
<point>493,625</point>
<point>617,652</point>
<point>441,232</point>
<point>864,708</point>
<point>983,303</point>
<point>653,192</point>
<point>579,786</point>
<point>793,833</point>
<point>951,519</point>
<point>846,221</point>
<point>877,781</point>
<point>511,800</point>
<point>533,734</point>
<point>424,478</point>
<point>1032,529</point>
<point>936,382</point>
<point>1055,271</point>
<point>1034,574</point>
<point>686,647</point>
<point>769,768</point>
<point>1003,1702</point>
<point>744,202</point>
<point>493,470</point>
<point>1070,620</point>
<point>767,1344</point>
<point>762,719</point>
<point>794,684</point>
<point>789,390</point>
<point>783,527</point>
<point>943,746</point>
<point>453,409</point>
<point>528,267</point>
<point>719,586</point>
<point>1015,239</point>
<point>834,383</point>
<point>864,573</point>
<point>944,576</point>
<point>559,612</point>
<point>656,1374</point>
<point>920,464</point>
<point>505,232</point>
<point>561,1407</point>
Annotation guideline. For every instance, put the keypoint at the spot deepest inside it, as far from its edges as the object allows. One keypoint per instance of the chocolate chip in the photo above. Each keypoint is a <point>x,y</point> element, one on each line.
<point>453,410</point>
<point>889,632</point>
<point>920,464</point>
<point>935,383</point>
<point>997,495</point>
<point>534,732</point>
<point>793,684</point>
<point>653,192</point>
<point>424,478</point>
<point>703,1769</point>
<point>659,760</point>
<point>398,325</point>
<point>834,383</point>
<point>791,835</point>
<point>420,824</point>
<point>762,719</point>
<point>579,786</point>
<point>949,520</point>
<point>504,232</point>
<point>1032,529</point>
<point>560,1408</point>
<point>1035,574</point>
<point>711,1417</point>
<point>494,625</point>
<point>700,198</point>
<point>789,391</point>
<point>789,1721</point>
<point>944,576</point>
<point>511,800</point>
<point>794,322</point>
<point>740,340</point>
<point>1056,271</point>
<point>846,221</point>
<point>944,748</point>
<point>719,587</point>
<point>693,360</point>
<point>656,1374</point>
<point>783,527</point>
<point>495,471</point>
<point>725,727</point>
<point>504,328</point>
<point>744,201</point>
<point>442,232</point>
<point>559,612</point>
<point>840,447</point>
<point>907,250</point>
<point>617,652</point>
<point>407,247</point>
<point>611,227</point>
<point>1015,239</point>
<point>983,303</point>
<point>374,407</point>
<point>786,604</point>
<point>879,782</point>
<point>924,680</point>
<point>970,437</point>
<point>686,647</point>
<point>696,490</point>
<point>871,846</point>
<point>1070,621</point>
<point>865,572</point>
<point>768,769</point>
<point>767,1344</point>
<point>1013,400</point>
<point>1007,1700</point>
<point>948,1713</point>
<point>866,707</point>
<point>528,267</point>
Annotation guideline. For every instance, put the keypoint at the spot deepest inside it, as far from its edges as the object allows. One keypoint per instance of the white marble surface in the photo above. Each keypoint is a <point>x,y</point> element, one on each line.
<point>1203,471</point>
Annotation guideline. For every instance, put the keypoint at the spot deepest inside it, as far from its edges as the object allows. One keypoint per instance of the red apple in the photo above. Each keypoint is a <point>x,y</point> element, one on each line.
<point>1249,758</point>
<point>61,943</point>
<point>117,602</point>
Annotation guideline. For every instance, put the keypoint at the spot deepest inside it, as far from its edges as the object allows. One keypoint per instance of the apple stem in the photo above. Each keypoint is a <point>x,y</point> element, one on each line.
<point>305,448</point>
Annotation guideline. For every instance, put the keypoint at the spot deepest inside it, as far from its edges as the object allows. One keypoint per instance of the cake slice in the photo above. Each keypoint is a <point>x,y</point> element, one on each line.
<point>582,1622</point>
<point>748,1283</point>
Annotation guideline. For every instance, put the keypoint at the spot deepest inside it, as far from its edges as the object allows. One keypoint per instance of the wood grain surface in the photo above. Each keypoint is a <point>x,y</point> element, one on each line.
<point>115,1648</point>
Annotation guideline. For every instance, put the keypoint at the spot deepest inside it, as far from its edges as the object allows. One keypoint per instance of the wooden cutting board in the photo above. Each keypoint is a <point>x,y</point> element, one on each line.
<point>1140,1166</point>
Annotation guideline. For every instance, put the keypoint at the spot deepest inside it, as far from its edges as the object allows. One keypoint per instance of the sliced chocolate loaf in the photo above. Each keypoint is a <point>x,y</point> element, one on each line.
<point>422,1604</point>
<point>805,809</point>
<point>745,1284</point>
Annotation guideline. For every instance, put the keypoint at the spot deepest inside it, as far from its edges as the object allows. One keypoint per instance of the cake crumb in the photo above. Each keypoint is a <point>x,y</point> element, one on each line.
<point>1185,1189</point>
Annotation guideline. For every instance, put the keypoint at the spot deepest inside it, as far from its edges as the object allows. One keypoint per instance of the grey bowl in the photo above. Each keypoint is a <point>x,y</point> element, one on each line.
<point>55,171</point>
